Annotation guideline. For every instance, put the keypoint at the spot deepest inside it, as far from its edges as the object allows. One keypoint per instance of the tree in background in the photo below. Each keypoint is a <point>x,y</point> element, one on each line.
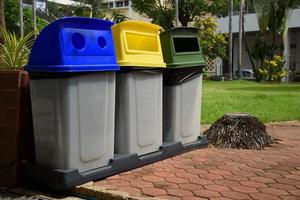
<point>273,17</point>
<point>11,10</point>
<point>230,38</point>
<point>117,16</point>
<point>93,7</point>
<point>2,16</point>
<point>161,13</point>
<point>189,9</point>
<point>220,8</point>
<point>213,44</point>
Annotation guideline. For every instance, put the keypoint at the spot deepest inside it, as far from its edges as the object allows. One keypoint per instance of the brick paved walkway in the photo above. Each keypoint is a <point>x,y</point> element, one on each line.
<point>213,173</point>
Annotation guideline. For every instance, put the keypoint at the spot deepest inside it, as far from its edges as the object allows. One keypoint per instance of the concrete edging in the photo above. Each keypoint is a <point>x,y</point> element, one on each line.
<point>90,190</point>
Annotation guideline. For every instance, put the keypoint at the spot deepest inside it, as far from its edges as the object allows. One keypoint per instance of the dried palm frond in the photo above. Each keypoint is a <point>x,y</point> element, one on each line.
<point>238,131</point>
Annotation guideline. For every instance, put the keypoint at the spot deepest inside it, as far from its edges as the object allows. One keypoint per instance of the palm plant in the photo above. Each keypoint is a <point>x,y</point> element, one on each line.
<point>14,51</point>
<point>274,16</point>
<point>262,8</point>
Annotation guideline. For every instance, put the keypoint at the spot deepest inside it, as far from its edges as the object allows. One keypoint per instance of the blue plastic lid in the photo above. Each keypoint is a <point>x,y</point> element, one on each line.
<point>74,44</point>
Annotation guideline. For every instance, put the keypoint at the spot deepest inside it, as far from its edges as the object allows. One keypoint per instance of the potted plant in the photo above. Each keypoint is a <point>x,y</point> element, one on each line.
<point>16,132</point>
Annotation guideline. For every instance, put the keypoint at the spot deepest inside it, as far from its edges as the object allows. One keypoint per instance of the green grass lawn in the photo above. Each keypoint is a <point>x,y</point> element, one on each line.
<point>267,101</point>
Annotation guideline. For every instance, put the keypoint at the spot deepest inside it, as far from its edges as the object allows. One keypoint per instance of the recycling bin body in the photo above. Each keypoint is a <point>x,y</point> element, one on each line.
<point>72,81</point>
<point>139,88</point>
<point>182,85</point>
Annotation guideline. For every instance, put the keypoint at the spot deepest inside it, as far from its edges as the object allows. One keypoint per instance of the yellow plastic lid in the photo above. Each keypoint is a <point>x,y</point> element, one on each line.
<point>137,44</point>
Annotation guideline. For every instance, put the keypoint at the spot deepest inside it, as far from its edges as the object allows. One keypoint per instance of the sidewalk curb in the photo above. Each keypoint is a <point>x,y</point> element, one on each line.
<point>90,190</point>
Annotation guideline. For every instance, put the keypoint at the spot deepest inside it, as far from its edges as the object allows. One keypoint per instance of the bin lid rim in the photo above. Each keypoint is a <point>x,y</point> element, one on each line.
<point>181,28</point>
<point>66,19</point>
<point>72,68</point>
<point>137,22</point>
<point>187,64</point>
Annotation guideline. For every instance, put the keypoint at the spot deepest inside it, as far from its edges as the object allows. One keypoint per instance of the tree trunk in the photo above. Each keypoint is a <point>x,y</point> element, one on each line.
<point>254,67</point>
<point>240,39</point>
<point>176,12</point>
<point>21,18</point>
<point>230,13</point>
<point>2,16</point>
<point>34,17</point>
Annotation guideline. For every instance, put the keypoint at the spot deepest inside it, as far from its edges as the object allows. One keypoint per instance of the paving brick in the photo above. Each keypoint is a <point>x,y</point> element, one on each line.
<point>262,196</point>
<point>104,185</point>
<point>282,186</point>
<point>164,174</point>
<point>115,177</point>
<point>235,177</point>
<point>165,185</point>
<point>295,192</point>
<point>251,169</point>
<point>235,195</point>
<point>288,181</point>
<point>293,176</point>
<point>177,180</point>
<point>206,193</point>
<point>118,183</point>
<point>273,191</point>
<point>283,168</point>
<point>130,190</point>
<point>129,177</point>
<point>262,179</point>
<point>295,172</point>
<point>289,197</point>
<point>186,175</point>
<point>211,176</point>
<point>193,198</point>
<point>275,171</point>
<point>217,188</point>
<point>244,189</point>
<point>201,181</point>
<point>167,197</point>
<point>153,178</point>
<point>269,175</point>
<point>253,184</point>
<point>190,186</point>
<point>196,171</point>
<point>153,192</point>
<point>174,170</point>
<point>227,183</point>
<point>140,184</point>
<point>243,173</point>
<point>179,192</point>
<point>219,172</point>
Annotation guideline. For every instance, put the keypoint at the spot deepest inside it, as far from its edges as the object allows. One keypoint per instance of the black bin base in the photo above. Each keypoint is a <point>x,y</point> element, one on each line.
<point>60,180</point>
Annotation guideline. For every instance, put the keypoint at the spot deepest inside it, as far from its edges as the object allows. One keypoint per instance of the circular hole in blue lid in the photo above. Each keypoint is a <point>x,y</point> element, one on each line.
<point>101,42</point>
<point>78,41</point>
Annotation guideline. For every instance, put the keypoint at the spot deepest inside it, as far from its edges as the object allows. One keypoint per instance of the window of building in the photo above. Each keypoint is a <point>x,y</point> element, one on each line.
<point>126,3</point>
<point>111,5</point>
<point>119,4</point>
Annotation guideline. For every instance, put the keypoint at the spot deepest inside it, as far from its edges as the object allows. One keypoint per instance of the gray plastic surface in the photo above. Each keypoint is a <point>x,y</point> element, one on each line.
<point>74,120</point>
<point>138,112</point>
<point>182,111</point>
<point>60,180</point>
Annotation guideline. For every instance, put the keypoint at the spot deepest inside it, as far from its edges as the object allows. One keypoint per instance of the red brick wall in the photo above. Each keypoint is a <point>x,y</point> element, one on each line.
<point>16,130</point>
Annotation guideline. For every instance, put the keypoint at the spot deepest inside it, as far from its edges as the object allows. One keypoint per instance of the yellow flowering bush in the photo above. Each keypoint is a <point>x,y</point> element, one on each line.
<point>213,44</point>
<point>273,69</point>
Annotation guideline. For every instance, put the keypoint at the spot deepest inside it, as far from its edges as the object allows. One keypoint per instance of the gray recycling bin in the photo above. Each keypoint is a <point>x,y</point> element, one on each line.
<point>72,81</point>
<point>182,84</point>
<point>139,88</point>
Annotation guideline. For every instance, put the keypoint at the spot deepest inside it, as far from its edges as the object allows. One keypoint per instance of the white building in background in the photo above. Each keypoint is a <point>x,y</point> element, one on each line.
<point>124,6</point>
<point>291,53</point>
